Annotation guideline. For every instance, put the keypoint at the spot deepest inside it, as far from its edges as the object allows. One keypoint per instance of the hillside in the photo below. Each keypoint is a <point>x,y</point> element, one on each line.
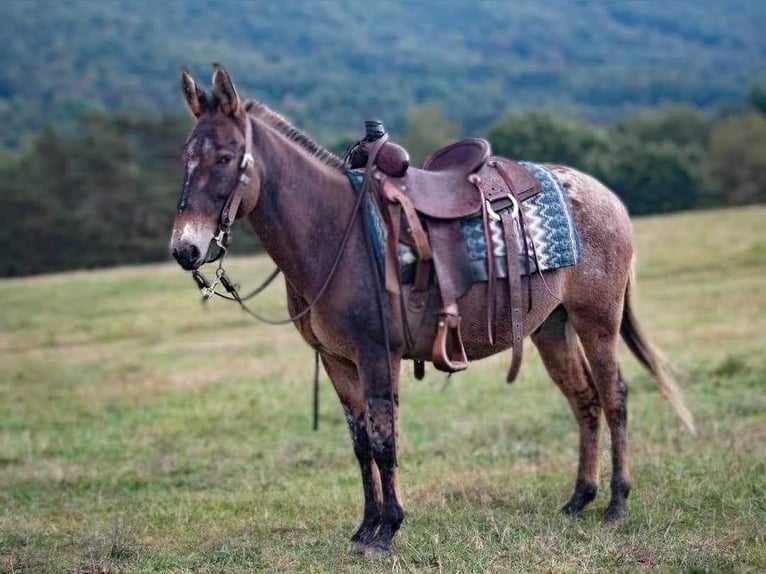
<point>328,65</point>
<point>141,433</point>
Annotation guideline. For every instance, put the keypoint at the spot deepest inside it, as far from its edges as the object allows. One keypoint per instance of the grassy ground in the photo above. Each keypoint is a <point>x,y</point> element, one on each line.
<point>140,433</point>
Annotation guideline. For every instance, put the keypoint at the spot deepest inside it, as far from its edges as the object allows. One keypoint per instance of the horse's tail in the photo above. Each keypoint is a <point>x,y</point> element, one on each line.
<point>653,360</point>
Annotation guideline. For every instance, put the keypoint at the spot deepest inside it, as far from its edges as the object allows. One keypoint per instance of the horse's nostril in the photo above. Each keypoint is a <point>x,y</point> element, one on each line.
<point>187,255</point>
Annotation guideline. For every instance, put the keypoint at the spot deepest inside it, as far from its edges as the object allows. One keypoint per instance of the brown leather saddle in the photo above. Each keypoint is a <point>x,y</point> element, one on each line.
<point>423,207</point>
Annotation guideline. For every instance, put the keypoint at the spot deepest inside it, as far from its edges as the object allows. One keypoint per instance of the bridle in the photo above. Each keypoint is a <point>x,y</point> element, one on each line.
<point>223,236</point>
<point>231,207</point>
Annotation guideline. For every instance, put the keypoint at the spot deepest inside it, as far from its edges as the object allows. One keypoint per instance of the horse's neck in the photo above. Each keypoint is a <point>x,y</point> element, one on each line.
<point>302,211</point>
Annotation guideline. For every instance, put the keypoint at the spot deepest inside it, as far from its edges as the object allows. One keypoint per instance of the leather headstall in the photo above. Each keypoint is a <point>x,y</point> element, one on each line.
<point>231,207</point>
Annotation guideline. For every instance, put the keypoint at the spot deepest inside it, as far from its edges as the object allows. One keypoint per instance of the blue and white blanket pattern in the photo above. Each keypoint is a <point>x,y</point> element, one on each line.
<point>551,235</point>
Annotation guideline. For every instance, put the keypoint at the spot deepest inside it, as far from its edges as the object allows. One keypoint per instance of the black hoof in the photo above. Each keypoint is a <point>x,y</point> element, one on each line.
<point>366,535</point>
<point>571,508</point>
<point>583,494</point>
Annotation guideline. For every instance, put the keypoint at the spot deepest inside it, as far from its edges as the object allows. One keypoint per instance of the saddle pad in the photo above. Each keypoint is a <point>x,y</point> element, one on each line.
<point>552,240</point>
<point>551,235</point>
<point>549,221</point>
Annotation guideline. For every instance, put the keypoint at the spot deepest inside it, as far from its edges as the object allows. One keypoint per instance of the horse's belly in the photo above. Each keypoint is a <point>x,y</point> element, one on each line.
<point>546,296</point>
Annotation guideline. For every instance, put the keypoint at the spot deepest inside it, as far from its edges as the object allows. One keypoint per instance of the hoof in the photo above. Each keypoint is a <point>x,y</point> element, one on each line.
<point>572,509</point>
<point>365,537</point>
<point>583,494</point>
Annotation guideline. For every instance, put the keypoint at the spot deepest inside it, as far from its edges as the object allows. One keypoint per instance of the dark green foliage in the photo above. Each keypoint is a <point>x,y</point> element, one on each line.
<point>330,65</point>
<point>98,188</point>
<point>105,193</point>
<point>102,197</point>
<point>682,125</point>
<point>542,137</point>
<point>651,177</point>
<point>426,130</point>
<point>737,159</point>
<point>653,160</point>
<point>756,97</point>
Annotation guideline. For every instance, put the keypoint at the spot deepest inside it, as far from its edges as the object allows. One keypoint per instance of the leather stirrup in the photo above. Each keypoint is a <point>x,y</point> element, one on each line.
<point>448,352</point>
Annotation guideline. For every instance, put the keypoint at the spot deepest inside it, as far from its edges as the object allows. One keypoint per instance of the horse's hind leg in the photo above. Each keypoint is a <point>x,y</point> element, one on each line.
<point>598,328</point>
<point>351,393</point>
<point>563,358</point>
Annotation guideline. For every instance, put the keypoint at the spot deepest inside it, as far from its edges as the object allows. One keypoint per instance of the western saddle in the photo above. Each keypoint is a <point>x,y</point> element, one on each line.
<point>423,209</point>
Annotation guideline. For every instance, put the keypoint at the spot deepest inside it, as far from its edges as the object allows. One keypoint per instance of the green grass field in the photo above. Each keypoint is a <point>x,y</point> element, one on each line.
<point>142,433</point>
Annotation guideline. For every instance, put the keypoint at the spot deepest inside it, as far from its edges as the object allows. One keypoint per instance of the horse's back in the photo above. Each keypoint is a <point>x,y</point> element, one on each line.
<point>597,283</point>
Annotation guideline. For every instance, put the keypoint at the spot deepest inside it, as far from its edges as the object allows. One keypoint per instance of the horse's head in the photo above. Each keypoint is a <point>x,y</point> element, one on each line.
<point>222,177</point>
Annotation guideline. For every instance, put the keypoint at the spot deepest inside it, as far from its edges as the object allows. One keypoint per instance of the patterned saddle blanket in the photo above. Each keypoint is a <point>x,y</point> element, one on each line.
<point>552,239</point>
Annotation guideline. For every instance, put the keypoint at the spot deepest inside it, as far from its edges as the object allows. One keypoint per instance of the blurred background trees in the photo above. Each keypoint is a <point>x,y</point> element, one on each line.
<point>736,161</point>
<point>426,130</point>
<point>105,192</point>
<point>656,99</point>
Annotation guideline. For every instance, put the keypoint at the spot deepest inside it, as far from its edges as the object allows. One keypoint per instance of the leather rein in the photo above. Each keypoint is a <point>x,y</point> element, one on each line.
<point>221,239</point>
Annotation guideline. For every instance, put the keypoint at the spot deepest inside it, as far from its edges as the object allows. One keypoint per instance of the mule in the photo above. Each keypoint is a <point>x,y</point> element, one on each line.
<point>299,201</point>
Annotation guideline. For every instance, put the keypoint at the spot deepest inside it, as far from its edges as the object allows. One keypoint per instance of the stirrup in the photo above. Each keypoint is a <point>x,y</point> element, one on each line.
<point>448,351</point>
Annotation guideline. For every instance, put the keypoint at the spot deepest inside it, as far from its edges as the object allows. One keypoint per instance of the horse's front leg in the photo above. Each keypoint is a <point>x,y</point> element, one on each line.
<point>382,390</point>
<point>351,393</point>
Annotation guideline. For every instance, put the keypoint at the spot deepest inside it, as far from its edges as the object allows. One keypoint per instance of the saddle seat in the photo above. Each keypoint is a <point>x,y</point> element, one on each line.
<point>465,156</point>
<point>442,189</point>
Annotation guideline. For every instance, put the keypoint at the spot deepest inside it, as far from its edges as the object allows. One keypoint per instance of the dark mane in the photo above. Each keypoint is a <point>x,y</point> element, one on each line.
<point>278,122</point>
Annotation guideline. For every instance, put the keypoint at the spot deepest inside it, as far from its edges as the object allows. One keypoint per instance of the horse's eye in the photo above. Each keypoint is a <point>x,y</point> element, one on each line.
<point>224,159</point>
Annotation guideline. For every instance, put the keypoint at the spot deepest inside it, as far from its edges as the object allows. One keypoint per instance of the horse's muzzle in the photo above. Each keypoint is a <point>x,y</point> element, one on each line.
<point>188,256</point>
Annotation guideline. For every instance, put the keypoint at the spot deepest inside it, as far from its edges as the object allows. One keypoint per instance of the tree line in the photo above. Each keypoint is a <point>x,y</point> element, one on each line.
<point>104,192</point>
<point>657,161</point>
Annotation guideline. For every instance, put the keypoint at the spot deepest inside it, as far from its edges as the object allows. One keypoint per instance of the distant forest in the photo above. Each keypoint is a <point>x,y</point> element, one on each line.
<point>329,65</point>
<point>663,101</point>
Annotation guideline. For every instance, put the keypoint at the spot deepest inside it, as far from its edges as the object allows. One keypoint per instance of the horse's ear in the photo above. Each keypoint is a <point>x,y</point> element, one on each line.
<point>224,90</point>
<point>195,97</point>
